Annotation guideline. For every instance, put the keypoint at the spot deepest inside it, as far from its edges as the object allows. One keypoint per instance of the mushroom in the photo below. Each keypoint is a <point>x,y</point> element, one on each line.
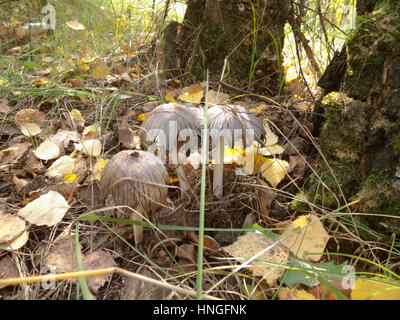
<point>164,127</point>
<point>137,179</point>
<point>236,125</point>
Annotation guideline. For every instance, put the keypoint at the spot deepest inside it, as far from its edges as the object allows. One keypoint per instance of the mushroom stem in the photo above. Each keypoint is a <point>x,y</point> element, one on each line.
<point>180,171</point>
<point>138,230</point>
<point>219,169</point>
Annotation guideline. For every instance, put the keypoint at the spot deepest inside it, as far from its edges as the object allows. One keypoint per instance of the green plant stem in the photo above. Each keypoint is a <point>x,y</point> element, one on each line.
<point>204,161</point>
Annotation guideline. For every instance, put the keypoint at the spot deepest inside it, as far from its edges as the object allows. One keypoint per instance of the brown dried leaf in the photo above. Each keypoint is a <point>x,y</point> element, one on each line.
<point>63,256</point>
<point>14,153</point>
<point>7,269</point>
<point>98,260</point>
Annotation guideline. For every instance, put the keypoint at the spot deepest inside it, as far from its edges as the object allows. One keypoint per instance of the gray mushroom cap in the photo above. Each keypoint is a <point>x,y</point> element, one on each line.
<point>234,117</point>
<point>162,119</point>
<point>133,177</point>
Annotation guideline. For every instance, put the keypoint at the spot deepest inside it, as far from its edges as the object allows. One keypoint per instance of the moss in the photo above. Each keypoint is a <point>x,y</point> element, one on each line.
<point>343,134</point>
<point>375,36</point>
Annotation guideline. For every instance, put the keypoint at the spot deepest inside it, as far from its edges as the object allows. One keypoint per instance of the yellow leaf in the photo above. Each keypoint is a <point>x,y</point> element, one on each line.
<point>169,97</point>
<point>274,170</point>
<point>76,115</point>
<point>84,67</point>
<point>14,21</point>
<point>193,95</point>
<point>100,69</point>
<point>269,264</point>
<point>98,167</point>
<point>371,290</point>
<point>312,239</point>
<point>39,82</point>
<point>70,177</point>
<point>173,180</point>
<point>141,117</point>
<point>258,109</point>
<point>300,222</point>
<point>294,294</point>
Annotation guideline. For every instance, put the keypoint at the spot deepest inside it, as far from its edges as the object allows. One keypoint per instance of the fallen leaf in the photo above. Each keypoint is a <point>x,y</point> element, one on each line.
<point>47,150</point>
<point>217,97</point>
<point>30,121</point>
<point>49,209</point>
<point>63,137</point>
<point>30,129</point>
<point>257,110</point>
<point>322,292</point>
<point>90,147</point>
<point>61,167</point>
<point>75,25</point>
<point>20,183</point>
<point>92,131</point>
<point>274,170</point>
<point>126,136</point>
<point>169,96</point>
<point>253,243</point>
<point>14,153</point>
<point>312,239</point>
<point>371,290</point>
<point>100,70</point>
<point>4,108</point>
<point>18,242</point>
<point>294,294</point>
<point>76,115</point>
<point>98,259</point>
<point>11,226</point>
<point>98,168</point>
<point>62,257</point>
<point>192,95</point>
<point>7,269</point>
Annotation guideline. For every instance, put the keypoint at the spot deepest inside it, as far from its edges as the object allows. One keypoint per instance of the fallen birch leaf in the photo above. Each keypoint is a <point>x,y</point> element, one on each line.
<point>294,294</point>
<point>370,290</point>
<point>61,167</point>
<point>11,226</point>
<point>90,147</point>
<point>274,170</point>
<point>49,209</point>
<point>47,150</point>
<point>251,244</point>
<point>312,239</point>
<point>192,95</point>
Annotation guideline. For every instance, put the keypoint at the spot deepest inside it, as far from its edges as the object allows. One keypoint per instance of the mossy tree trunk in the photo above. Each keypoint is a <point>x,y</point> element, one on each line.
<point>248,35</point>
<point>361,135</point>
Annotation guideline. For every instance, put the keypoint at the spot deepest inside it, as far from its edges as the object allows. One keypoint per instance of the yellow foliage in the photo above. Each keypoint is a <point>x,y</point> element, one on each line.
<point>370,290</point>
<point>193,95</point>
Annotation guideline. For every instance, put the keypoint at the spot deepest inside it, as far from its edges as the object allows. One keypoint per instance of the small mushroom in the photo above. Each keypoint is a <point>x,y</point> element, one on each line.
<point>137,179</point>
<point>165,126</point>
<point>230,125</point>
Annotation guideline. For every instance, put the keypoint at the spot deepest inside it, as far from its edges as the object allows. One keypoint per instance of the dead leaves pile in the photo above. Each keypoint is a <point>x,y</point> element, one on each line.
<point>65,160</point>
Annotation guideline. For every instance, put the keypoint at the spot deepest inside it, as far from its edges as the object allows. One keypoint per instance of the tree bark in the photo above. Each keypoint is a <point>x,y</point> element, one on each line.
<point>245,37</point>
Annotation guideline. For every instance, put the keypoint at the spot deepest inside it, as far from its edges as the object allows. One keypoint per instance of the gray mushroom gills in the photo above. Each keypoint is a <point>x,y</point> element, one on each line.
<point>164,127</point>
<point>137,179</point>
<point>230,125</point>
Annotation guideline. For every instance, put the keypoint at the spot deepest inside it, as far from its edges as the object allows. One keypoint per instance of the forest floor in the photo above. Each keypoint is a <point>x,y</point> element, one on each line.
<point>61,122</point>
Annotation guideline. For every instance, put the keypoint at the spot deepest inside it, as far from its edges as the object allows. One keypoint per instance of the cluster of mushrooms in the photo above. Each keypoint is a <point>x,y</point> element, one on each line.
<point>139,180</point>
